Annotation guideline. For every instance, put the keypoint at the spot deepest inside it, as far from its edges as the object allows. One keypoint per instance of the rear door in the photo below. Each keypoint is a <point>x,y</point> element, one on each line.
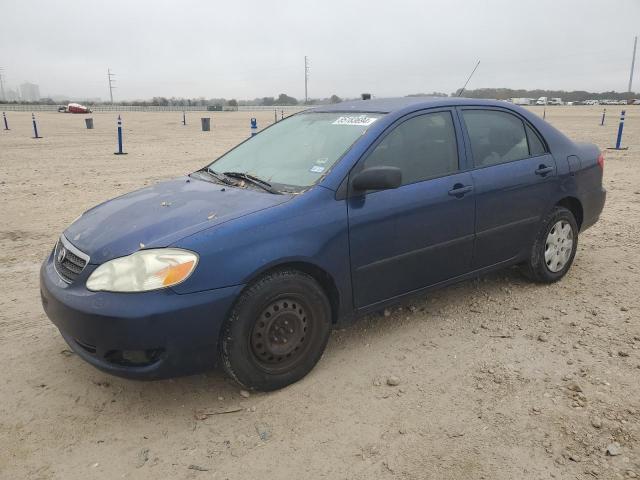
<point>422,232</point>
<point>514,176</point>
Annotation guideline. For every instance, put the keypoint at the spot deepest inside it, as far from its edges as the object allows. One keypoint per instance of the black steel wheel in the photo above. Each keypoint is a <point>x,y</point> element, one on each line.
<point>281,334</point>
<point>277,331</point>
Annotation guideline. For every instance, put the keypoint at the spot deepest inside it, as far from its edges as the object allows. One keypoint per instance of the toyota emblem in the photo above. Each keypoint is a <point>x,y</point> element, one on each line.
<point>62,253</point>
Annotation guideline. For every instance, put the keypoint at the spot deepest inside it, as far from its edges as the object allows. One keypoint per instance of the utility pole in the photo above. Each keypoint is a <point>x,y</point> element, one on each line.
<point>306,79</point>
<point>111,82</point>
<point>633,63</point>
<point>2,95</point>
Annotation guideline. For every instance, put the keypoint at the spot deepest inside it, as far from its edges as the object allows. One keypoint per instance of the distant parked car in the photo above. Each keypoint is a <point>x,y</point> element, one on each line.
<point>74,108</point>
<point>332,213</point>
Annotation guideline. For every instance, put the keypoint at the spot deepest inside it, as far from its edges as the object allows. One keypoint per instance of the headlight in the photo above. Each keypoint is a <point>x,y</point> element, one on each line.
<point>144,270</point>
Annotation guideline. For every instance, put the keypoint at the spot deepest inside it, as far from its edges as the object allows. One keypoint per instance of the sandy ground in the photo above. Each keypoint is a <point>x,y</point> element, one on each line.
<point>499,378</point>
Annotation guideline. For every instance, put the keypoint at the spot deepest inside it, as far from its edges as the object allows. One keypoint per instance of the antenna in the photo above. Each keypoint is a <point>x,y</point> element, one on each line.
<point>465,83</point>
<point>306,78</point>
<point>633,63</point>
<point>111,82</point>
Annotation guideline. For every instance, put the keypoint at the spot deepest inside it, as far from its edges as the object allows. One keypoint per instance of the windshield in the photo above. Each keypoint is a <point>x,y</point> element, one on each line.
<point>298,151</point>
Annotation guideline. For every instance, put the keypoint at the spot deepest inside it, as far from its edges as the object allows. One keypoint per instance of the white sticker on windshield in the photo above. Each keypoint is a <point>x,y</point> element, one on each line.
<point>359,120</point>
<point>317,169</point>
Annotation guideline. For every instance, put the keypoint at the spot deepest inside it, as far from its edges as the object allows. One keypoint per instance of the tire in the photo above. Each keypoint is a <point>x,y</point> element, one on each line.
<point>553,252</point>
<point>276,331</point>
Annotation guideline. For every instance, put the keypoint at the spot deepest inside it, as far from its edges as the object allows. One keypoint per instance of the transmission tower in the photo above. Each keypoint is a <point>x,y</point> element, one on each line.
<point>111,82</point>
<point>306,79</point>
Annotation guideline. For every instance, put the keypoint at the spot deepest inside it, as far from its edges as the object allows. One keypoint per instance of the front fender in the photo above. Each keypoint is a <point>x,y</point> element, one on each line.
<point>310,229</point>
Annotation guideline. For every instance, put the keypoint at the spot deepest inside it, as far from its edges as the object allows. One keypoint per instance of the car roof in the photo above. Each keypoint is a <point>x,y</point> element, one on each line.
<point>389,105</point>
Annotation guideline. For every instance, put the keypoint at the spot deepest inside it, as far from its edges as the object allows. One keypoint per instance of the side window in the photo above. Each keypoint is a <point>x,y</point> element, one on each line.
<point>422,147</point>
<point>536,147</point>
<point>496,137</point>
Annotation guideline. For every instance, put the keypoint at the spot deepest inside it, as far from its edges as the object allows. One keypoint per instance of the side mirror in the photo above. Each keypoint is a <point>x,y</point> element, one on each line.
<point>377,178</point>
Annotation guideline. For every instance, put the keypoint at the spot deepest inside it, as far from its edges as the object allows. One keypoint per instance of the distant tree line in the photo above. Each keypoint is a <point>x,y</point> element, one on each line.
<point>284,99</point>
<point>281,100</point>
<point>432,94</point>
<point>573,96</point>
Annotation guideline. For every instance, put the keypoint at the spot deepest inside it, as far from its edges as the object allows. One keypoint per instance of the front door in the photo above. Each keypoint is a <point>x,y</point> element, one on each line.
<point>421,233</point>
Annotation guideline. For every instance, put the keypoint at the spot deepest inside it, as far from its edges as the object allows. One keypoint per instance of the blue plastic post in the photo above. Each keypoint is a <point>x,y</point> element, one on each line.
<point>35,127</point>
<point>184,118</point>
<point>620,127</point>
<point>4,117</point>
<point>604,112</point>
<point>119,152</point>
<point>254,127</point>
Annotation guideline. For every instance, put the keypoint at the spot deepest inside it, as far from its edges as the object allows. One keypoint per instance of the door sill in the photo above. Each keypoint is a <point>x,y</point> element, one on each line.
<point>474,273</point>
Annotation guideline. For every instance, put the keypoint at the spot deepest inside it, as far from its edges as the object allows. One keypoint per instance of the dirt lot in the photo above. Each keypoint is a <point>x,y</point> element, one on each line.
<point>499,378</point>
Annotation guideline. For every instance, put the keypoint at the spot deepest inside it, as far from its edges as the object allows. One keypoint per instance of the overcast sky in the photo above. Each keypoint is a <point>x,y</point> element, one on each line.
<point>253,48</point>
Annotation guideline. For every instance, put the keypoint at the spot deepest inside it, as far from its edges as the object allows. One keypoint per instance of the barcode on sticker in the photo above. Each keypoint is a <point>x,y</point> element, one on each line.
<point>359,120</point>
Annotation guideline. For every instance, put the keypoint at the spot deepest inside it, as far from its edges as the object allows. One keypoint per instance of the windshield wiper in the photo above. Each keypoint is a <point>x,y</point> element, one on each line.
<point>221,177</point>
<point>255,180</point>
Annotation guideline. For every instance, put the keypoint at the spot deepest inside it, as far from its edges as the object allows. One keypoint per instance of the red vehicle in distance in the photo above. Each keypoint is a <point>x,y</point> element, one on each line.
<point>74,108</point>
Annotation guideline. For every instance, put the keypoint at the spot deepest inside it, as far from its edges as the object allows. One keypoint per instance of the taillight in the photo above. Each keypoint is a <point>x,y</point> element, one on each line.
<point>601,161</point>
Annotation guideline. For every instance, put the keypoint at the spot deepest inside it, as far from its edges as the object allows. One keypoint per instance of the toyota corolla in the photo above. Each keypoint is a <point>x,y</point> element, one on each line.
<point>334,212</point>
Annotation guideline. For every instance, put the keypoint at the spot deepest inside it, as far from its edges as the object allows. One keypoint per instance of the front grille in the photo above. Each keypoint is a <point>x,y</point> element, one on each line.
<point>68,260</point>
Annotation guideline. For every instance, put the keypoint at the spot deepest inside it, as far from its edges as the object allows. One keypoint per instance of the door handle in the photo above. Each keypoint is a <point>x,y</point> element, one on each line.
<point>459,190</point>
<point>542,170</point>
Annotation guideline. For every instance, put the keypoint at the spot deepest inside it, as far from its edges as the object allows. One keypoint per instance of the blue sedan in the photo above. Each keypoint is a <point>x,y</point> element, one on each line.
<point>332,213</point>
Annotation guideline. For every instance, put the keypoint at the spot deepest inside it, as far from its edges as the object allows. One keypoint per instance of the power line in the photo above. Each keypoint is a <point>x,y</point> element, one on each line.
<point>306,79</point>
<point>111,82</point>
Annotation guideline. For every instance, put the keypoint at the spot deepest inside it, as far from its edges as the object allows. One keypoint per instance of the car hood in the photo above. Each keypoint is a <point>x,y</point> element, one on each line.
<point>162,214</point>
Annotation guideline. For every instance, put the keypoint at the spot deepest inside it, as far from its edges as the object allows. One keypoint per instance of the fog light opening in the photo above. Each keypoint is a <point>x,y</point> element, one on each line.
<point>134,358</point>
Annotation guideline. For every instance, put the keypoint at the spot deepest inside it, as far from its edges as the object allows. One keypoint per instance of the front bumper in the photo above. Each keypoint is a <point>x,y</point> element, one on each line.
<point>148,335</point>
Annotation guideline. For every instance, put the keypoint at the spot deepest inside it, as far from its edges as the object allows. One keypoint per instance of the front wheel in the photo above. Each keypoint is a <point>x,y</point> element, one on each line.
<point>554,247</point>
<point>276,332</point>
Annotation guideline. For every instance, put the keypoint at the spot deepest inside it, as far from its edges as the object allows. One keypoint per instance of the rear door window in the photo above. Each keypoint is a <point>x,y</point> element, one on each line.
<point>536,147</point>
<point>496,137</point>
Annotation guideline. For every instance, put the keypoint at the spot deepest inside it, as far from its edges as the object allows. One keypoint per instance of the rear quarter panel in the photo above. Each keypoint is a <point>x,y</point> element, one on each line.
<point>588,183</point>
<point>581,179</point>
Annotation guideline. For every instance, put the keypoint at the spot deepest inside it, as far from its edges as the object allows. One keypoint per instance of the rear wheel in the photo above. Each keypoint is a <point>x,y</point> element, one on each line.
<point>276,332</point>
<point>554,247</point>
